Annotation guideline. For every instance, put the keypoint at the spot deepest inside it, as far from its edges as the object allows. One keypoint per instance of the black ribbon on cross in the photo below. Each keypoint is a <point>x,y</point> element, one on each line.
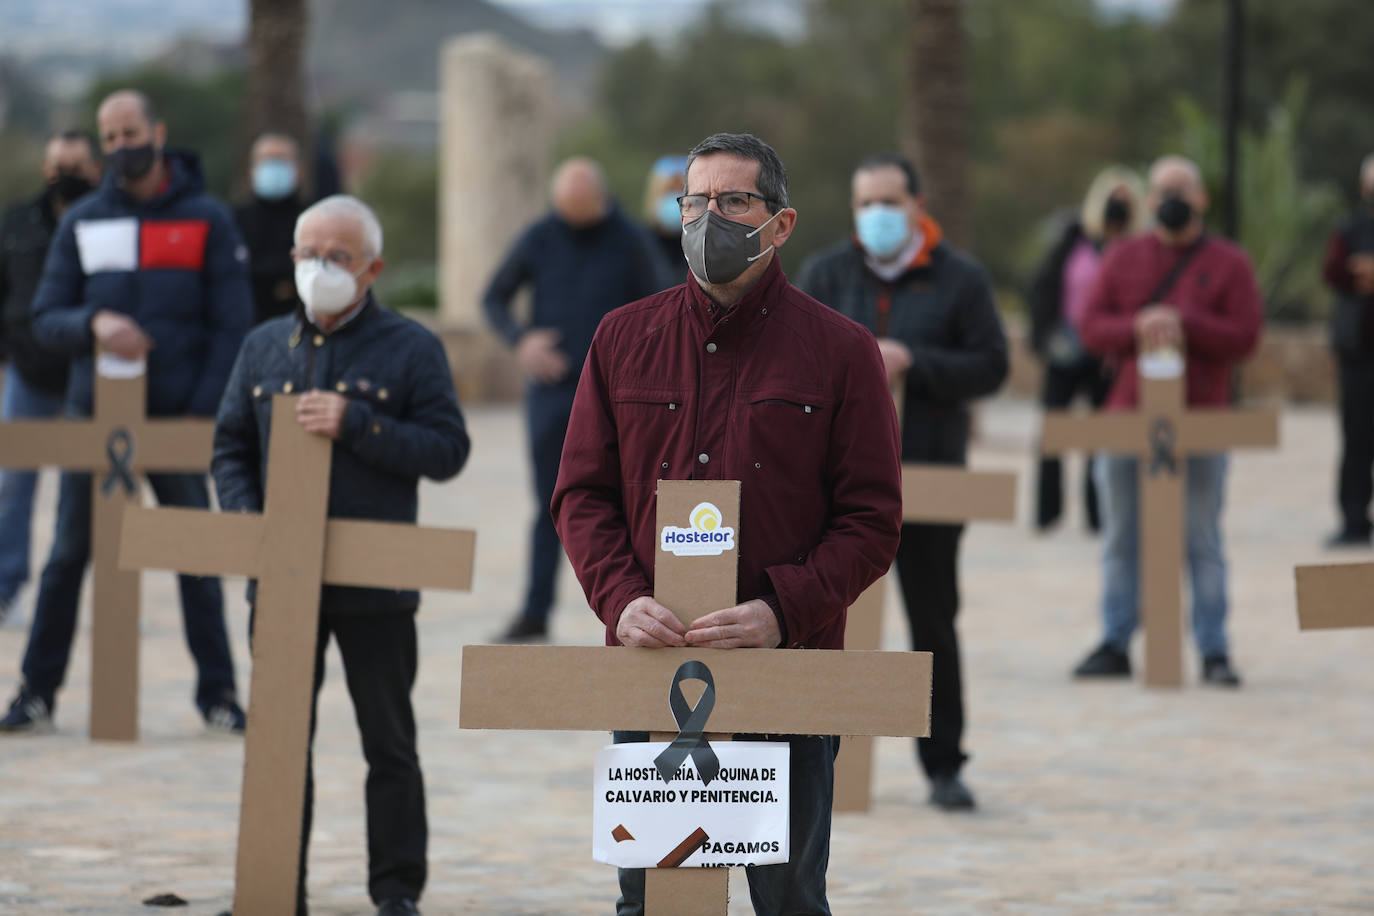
<point>1163,437</point>
<point>691,723</point>
<point>119,448</point>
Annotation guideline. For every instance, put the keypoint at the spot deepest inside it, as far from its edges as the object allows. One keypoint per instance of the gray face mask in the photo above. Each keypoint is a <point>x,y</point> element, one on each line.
<point>718,249</point>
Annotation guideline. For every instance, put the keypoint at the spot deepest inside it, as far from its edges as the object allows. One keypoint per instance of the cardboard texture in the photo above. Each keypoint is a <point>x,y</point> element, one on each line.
<point>1336,596</point>
<point>1162,433</point>
<point>938,493</point>
<point>292,549</point>
<point>757,690</point>
<point>116,445</point>
<point>693,587</point>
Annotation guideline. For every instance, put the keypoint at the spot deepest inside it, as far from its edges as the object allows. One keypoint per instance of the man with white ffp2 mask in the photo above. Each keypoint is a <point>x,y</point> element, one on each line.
<point>378,385</point>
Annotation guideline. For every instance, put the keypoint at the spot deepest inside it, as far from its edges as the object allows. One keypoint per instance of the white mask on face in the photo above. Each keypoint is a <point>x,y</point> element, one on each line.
<point>325,287</point>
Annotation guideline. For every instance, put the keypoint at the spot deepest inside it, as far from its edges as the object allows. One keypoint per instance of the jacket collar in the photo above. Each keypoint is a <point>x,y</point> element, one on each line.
<point>359,317</point>
<point>749,308</point>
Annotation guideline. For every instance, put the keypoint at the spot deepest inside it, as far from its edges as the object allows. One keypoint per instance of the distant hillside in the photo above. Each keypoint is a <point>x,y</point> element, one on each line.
<point>365,49</point>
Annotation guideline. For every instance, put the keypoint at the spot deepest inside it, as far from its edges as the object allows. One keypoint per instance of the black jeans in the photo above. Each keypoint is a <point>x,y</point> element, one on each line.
<point>793,888</point>
<point>547,410</point>
<point>1357,443</point>
<point>380,659</point>
<point>1062,384</point>
<point>928,571</point>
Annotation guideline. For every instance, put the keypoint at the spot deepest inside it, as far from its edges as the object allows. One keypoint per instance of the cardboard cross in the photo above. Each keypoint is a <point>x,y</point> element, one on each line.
<point>930,493</point>
<point>1162,433</point>
<point>292,549</point>
<point>757,690</point>
<point>1335,596</point>
<point>117,444</point>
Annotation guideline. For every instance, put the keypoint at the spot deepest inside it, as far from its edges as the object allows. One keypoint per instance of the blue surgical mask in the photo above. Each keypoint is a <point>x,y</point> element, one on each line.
<point>274,179</point>
<point>882,229</point>
<point>669,214</point>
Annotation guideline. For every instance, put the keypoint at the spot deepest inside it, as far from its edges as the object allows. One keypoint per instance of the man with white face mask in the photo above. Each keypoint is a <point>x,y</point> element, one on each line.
<point>379,386</point>
<point>931,308</point>
<point>267,220</point>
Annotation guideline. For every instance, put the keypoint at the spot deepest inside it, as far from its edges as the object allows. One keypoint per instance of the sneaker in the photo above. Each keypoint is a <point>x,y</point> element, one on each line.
<point>1217,670</point>
<point>1104,661</point>
<point>948,793</point>
<point>225,718</point>
<point>522,631</point>
<point>1347,538</point>
<point>398,906</point>
<point>29,713</point>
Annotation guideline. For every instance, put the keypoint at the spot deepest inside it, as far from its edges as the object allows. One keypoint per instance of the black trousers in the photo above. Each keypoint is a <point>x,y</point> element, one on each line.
<point>547,412</point>
<point>928,571</point>
<point>1061,385</point>
<point>380,659</point>
<point>1357,443</point>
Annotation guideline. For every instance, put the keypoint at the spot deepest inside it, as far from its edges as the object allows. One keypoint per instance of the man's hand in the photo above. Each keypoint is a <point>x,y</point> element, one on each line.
<point>896,357</point>
<point>322,412</point>
<point>1158,326</point>
<point>751,625</point>
<point>540,357</point>
<point>646,623</point>
<point>1361,268</point>
<point>120,334</point>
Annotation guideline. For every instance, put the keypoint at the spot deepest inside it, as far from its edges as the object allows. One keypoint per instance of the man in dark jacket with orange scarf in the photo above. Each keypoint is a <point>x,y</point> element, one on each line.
<point>931,308</point>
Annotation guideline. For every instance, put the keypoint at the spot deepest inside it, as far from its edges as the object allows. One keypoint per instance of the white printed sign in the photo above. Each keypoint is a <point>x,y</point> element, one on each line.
<point>739,818</point>
<point>708,535</point>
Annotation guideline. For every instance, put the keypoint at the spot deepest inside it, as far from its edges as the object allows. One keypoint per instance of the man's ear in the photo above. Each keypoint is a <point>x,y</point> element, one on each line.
<point>785,222</point>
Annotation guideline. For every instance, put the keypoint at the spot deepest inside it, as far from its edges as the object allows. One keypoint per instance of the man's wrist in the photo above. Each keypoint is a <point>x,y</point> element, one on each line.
<point>775,606</point>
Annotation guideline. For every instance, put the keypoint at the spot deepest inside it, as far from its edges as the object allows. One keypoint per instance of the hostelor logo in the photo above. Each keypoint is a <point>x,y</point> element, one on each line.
<point>708,536</point>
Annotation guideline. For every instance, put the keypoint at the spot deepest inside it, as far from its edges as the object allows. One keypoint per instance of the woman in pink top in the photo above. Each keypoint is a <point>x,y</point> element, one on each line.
<point>1111,210</point>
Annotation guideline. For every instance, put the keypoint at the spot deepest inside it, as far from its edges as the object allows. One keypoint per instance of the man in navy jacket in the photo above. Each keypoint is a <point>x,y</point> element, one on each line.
<point>151,268</point>
<point>378,385</point>
<point>580,261</point>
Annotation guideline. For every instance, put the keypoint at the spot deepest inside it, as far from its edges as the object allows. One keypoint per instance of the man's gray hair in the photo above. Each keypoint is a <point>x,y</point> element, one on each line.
<point>772,180</point>
<point>348,206</point>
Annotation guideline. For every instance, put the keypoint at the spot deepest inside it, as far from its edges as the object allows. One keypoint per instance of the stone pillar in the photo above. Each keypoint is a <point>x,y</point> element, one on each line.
<point>497,123</point>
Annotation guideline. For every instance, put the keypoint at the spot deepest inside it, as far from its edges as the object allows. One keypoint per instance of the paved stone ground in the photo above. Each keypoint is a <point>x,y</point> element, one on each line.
<point>1095,798</point>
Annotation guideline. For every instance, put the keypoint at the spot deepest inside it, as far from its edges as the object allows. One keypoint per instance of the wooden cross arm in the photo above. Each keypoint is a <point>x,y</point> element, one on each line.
<point>361,553</point>
<point>1335,596</point>
<point>82,445</point>
<point>952,494</point>
<point>1216,430</point>
<point>1061,430</point>
<point>775,691</point>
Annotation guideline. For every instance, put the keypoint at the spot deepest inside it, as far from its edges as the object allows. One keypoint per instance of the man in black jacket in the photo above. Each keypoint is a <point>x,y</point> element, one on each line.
<point>941,340</point>
<point>267,222</point>
<point>35,379</point>
<point>379,386</point>
<point>579,261</point>
<point>1349,271</point>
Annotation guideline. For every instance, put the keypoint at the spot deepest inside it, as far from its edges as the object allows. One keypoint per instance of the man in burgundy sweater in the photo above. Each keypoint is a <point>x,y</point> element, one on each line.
<point>1210,313</point>
<point>737,375</point>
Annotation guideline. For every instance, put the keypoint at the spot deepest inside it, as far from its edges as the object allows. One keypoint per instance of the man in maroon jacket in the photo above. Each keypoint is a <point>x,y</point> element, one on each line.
<point>1175,288</point>
<point>737,375</point>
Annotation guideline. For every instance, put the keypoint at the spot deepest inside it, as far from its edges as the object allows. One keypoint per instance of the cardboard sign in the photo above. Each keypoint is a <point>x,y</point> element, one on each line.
<point>696,567</point>
<point>1335,596</point>
<point>738,818</point>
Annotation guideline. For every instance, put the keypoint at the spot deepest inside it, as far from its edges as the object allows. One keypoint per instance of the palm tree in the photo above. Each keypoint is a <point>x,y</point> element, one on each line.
<point>936,128</point>
<point>276,84</point>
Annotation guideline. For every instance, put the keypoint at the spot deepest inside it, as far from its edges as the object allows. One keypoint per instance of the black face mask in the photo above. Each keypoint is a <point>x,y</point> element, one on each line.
<point>1174,213</point>
<point>131,163</point>
<point>70,186</point>
<point>1117,213</point>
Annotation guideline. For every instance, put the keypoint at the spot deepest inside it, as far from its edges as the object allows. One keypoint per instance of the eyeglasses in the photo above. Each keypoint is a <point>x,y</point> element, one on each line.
<point>334,256</point>
<point>731,203</point>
